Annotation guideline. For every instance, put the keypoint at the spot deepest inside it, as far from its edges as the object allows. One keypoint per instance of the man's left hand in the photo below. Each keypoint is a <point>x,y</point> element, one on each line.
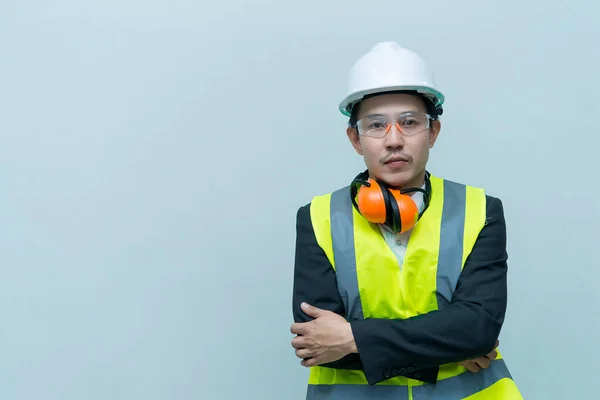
<point>325,339</point>
<point>478,363</point>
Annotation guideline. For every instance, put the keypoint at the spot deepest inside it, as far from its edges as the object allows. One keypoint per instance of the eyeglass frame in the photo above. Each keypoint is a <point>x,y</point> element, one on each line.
<point>389,126</point>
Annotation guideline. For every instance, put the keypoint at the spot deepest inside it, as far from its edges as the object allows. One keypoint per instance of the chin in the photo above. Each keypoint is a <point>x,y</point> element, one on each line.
<point>397,179</point>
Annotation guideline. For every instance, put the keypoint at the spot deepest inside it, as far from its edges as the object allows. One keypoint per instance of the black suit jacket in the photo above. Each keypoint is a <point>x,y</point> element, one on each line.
<point>417,346</point>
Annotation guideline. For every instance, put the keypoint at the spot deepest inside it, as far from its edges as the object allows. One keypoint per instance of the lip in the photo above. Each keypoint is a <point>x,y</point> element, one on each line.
<point>396,163</point>
<point>396,160</point>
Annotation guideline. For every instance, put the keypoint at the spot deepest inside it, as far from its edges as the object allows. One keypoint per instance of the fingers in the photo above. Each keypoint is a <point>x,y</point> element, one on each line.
<point>300,342</point>
<point>492,355</point>
<point>303,353</point>
<point>470,365</point>
<point>476,364</point>
<point>483,362</point>
<point>312,311</point>
<point>310,362</point>
<point>303,348</point>
<point>299,328</point>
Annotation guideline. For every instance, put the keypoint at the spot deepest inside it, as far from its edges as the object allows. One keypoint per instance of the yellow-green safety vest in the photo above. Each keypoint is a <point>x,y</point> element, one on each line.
<point>372,285</point>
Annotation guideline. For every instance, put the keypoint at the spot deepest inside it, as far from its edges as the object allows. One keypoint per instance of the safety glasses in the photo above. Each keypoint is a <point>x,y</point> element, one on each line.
<point>408,123</point>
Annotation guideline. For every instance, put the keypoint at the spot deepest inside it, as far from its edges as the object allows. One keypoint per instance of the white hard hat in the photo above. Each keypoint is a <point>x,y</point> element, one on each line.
<point>388,67</point>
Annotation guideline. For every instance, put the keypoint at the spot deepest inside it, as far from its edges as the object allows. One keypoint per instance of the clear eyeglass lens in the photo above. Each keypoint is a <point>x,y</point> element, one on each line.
<point>379,126</point>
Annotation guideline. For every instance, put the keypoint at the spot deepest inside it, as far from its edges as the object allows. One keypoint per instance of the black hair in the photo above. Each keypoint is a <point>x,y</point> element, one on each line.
<point>433,110</point>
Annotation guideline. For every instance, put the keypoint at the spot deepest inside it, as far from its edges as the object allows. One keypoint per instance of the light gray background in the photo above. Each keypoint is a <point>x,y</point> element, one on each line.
<point>154,154</point>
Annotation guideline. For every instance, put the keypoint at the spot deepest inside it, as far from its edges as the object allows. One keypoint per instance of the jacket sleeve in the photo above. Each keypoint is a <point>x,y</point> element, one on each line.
<point>315,283</point>
<point>466,328</point>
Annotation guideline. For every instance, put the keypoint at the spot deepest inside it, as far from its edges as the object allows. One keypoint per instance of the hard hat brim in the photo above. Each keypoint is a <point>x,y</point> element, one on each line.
<point>346,105</point>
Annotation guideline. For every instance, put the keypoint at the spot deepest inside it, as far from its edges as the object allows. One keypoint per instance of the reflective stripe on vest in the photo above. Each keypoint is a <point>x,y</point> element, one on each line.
<point>436,253</point>
<point>459,387</point>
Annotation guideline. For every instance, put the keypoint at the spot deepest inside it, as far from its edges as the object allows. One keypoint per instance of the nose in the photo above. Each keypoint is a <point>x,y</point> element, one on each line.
<point>394,138</point>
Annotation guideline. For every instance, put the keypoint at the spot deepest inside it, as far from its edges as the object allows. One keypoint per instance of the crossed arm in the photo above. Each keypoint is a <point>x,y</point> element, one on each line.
<point>465,329</point>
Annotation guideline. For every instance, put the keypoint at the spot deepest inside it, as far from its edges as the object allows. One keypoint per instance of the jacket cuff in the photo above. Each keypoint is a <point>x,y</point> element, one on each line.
<point>381,363</point>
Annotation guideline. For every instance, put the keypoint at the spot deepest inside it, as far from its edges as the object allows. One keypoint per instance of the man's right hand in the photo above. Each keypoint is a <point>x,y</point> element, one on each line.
<point>476,364</point>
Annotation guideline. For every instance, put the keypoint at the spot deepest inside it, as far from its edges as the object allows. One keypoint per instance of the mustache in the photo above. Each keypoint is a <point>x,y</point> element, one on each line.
<point>388,157</point>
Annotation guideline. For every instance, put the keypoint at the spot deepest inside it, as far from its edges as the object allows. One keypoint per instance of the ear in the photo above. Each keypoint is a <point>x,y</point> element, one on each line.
<point>436,126</point>
<point>354,139</point>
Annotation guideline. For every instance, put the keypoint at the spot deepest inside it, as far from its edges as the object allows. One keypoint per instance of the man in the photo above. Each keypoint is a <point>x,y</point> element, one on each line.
<point>400,277</point>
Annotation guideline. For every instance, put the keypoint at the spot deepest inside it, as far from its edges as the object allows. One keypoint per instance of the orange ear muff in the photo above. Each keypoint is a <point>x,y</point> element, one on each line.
<point>371,203</point>
<point>381,205</point>
<point>407,208</point>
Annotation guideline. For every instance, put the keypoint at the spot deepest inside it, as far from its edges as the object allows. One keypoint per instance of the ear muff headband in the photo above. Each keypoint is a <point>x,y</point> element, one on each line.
<point>393,217</point>
<point>426,192</point>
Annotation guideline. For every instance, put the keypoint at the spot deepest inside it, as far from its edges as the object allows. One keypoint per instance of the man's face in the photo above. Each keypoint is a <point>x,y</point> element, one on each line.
<point>378,153</point>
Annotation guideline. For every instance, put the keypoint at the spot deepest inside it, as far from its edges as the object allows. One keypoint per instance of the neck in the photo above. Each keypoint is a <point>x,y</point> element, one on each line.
<point>417,182</point>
